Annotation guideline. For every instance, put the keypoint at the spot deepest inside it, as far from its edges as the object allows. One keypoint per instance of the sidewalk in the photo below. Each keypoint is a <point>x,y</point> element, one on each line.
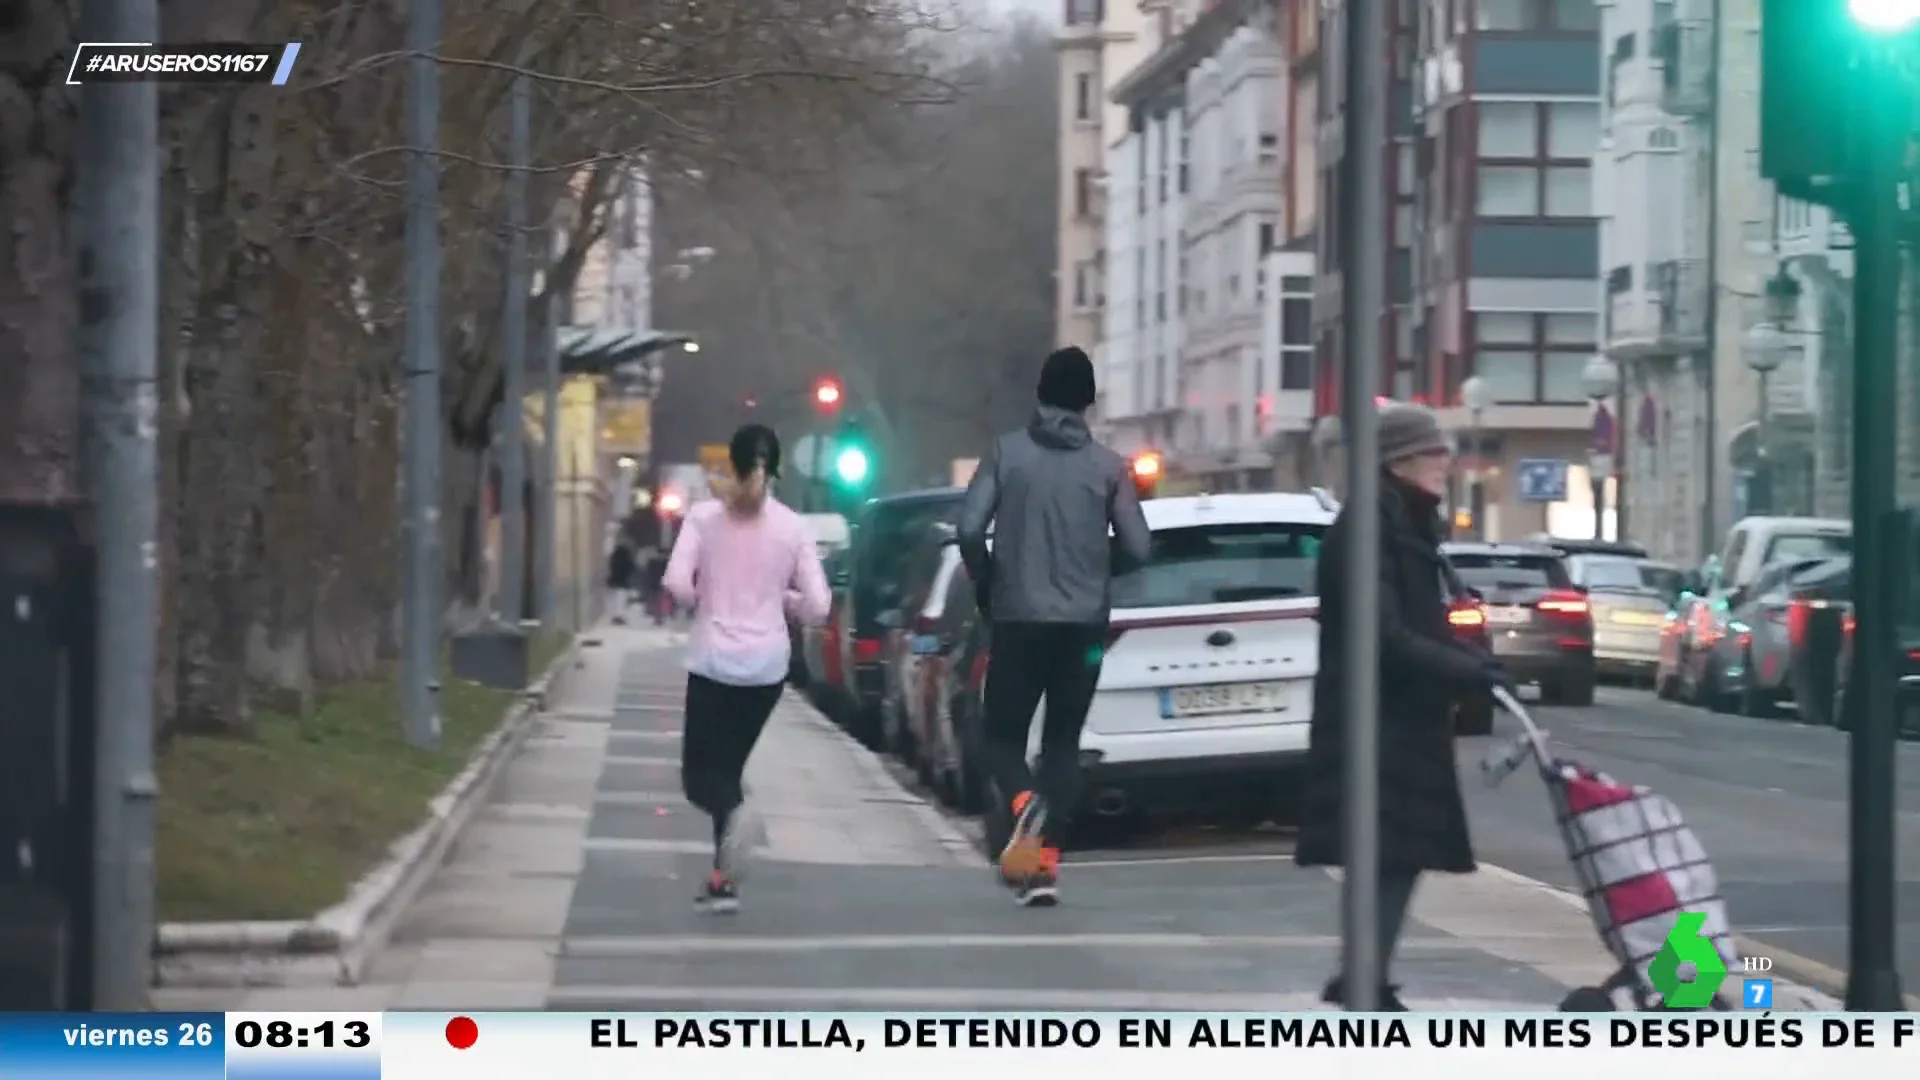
<point>574,890</point>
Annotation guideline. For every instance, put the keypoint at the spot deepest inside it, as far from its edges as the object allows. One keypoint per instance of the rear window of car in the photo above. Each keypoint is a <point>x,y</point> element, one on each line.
<point>1481,570</point>
<point>1615,574</point>
<point>891,534</point>
<point>1223,564</point>
<point>1664,580</point>
<point>1793,547</point>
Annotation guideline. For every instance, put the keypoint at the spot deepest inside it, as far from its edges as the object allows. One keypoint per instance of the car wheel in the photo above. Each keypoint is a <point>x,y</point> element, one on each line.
<point>1665,687</point>
<point>1473,717</point>
<point>1755,701</point>
<point>1578,691</point>
<point>996,821</point>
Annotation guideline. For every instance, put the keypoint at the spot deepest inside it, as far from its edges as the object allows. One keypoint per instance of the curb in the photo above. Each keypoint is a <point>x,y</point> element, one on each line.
<point>1813,986</point>
<point>959,848</point>
<point>334,946</point>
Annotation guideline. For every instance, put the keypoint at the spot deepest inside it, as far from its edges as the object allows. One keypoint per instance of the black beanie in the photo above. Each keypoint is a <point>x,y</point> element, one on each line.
<point>1066,380</point>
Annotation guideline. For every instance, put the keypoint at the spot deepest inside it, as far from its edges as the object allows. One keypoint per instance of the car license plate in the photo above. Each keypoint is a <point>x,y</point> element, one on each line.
<point>1636,618</point>
<point>1223,699</point>
<point>1508,616</point>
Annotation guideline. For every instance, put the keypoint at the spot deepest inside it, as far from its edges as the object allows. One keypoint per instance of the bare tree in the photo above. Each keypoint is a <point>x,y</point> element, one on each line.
<point>282,286</point>
<point>918,268</point>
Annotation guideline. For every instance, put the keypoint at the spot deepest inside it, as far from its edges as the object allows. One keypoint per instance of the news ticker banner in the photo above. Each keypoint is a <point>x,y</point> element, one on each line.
<point>220,62</point>
<point>885,1046</point>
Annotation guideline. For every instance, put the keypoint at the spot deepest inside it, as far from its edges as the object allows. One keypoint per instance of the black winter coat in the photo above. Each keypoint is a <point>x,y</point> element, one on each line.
<point>1424,670</point>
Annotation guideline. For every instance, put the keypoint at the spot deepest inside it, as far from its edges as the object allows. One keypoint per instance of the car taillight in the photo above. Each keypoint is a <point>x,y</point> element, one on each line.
<point>1846,624</point>
<point>1798,613</point>
<point>1467,616</point>
<point>866,650</point>
<point>1565,604</point>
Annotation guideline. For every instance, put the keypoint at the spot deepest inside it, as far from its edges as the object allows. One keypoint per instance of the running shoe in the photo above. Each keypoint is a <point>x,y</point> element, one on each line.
<point>720,896</point>
<point>1023,857</point>
<point>1042,887</point>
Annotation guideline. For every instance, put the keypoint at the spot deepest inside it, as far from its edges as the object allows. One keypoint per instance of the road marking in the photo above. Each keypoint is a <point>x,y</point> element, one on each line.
<point>641,759</point>
<point>1001,999</point>
<point>688,944</point>
<point>1174,860</point>
<point>649,847</point>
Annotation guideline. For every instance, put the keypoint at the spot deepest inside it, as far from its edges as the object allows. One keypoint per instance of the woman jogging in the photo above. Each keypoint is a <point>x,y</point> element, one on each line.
<point>745,564</point>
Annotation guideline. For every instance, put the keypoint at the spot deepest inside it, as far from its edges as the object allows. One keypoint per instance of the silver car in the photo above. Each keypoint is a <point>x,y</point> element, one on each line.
<point>1629,608</point>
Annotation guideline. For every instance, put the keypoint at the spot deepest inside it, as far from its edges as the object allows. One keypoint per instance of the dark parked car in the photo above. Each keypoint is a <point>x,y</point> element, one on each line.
<point>1537,621</point>
<point>885,536</point>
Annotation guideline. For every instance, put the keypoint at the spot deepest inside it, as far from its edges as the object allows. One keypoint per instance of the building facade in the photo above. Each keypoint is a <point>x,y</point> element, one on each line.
<point>1199,207</point>
<point>1693,242</point>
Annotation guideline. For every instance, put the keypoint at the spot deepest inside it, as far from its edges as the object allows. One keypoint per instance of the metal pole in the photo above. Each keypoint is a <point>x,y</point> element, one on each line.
<point>118,211</point>
<point>1363,269</point>
<point>545,537</point>
<point>513,441</point>
<point>1873,984</point>
<point>419,617</point>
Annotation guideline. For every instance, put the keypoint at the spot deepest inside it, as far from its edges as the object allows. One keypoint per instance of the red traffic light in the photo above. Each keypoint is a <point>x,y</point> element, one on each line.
<point>826,394</point>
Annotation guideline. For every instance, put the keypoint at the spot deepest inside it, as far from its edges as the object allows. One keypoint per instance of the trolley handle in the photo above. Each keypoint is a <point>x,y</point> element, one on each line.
<point>1507,756</point>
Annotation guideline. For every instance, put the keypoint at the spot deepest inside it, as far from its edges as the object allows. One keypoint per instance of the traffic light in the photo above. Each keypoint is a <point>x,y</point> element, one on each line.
<point>827,395</point>
<point>852,458</point>
<point>1147,470</point>
<point>1832,74</point>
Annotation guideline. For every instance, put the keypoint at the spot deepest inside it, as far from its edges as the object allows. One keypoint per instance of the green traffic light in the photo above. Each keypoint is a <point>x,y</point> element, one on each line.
<point>852,465</point>
<point>1885,16</point>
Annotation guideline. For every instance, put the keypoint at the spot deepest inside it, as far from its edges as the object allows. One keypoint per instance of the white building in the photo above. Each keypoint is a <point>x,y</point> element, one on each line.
<point>1690,236</point>
<point>1097,38</point>
<point>1194,215</point>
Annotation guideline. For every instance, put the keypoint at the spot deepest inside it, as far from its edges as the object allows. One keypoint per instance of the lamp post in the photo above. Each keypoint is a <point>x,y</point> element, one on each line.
<point>1601,381</point>
<point>1764,348</point>
<point>1476,395</point>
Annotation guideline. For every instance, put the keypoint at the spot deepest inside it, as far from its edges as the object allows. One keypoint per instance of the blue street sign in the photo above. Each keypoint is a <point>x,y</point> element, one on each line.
<point>1542,480</point>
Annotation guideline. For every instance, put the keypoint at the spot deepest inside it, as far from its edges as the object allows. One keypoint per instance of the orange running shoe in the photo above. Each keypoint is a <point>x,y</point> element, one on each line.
<point>1042,887</point>
<point>1023,856</point>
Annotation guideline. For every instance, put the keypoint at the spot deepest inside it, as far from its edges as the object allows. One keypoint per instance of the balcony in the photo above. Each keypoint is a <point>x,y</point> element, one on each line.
<point>1684,51</point>
<point>1666,318</point>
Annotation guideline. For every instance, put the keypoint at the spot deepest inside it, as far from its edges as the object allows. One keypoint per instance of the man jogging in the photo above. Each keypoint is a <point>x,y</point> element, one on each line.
<point>745,565</point>
<point>1049,494</point>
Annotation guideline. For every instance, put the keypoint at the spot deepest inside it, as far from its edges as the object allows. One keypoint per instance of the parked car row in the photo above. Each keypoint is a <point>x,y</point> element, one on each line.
<point>1206,683</point>
<point>1765,629</point>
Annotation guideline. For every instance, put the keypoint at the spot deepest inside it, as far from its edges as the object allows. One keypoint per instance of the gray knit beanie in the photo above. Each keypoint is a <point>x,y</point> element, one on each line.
<point>1408,430</point>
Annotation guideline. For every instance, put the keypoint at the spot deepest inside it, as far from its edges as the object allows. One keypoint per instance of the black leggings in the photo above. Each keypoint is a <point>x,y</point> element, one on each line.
<point>723,724</point>
<point>1059,662</point>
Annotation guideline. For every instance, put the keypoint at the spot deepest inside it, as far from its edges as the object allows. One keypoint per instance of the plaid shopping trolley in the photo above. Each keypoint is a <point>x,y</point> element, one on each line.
<point>1639,866</point>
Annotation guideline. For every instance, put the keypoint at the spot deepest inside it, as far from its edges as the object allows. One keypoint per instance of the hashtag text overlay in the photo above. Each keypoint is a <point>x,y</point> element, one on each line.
<point>95,62</point>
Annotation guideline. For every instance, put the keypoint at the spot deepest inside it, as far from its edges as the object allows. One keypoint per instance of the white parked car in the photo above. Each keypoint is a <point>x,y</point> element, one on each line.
<point>1207,682</point>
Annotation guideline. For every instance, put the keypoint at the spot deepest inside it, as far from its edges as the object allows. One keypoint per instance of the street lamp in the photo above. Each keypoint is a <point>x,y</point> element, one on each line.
<point>1477,396</point>
<point>1764,348</point>
<point>1601,381</point>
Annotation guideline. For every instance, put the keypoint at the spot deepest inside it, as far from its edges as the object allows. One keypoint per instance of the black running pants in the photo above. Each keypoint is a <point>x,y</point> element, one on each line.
<point>722,725</point>
<point>1031,662</point>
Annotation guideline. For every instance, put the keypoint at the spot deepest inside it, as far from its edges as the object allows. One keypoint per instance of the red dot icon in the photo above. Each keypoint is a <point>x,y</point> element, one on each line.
<point>462,1032</point>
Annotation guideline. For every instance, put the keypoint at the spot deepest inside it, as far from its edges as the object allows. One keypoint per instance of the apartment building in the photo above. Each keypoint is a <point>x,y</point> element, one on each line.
<point>1197,213</point>
<point>1492,255</point>
<point>1096,39</point>
<point>1693,244</point>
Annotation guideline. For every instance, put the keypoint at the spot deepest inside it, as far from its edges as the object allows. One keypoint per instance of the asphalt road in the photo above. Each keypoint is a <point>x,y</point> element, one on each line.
<point>1768,798</point>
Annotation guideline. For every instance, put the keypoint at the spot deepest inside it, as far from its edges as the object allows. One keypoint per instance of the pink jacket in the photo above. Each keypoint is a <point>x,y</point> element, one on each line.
<point>745,578</point>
